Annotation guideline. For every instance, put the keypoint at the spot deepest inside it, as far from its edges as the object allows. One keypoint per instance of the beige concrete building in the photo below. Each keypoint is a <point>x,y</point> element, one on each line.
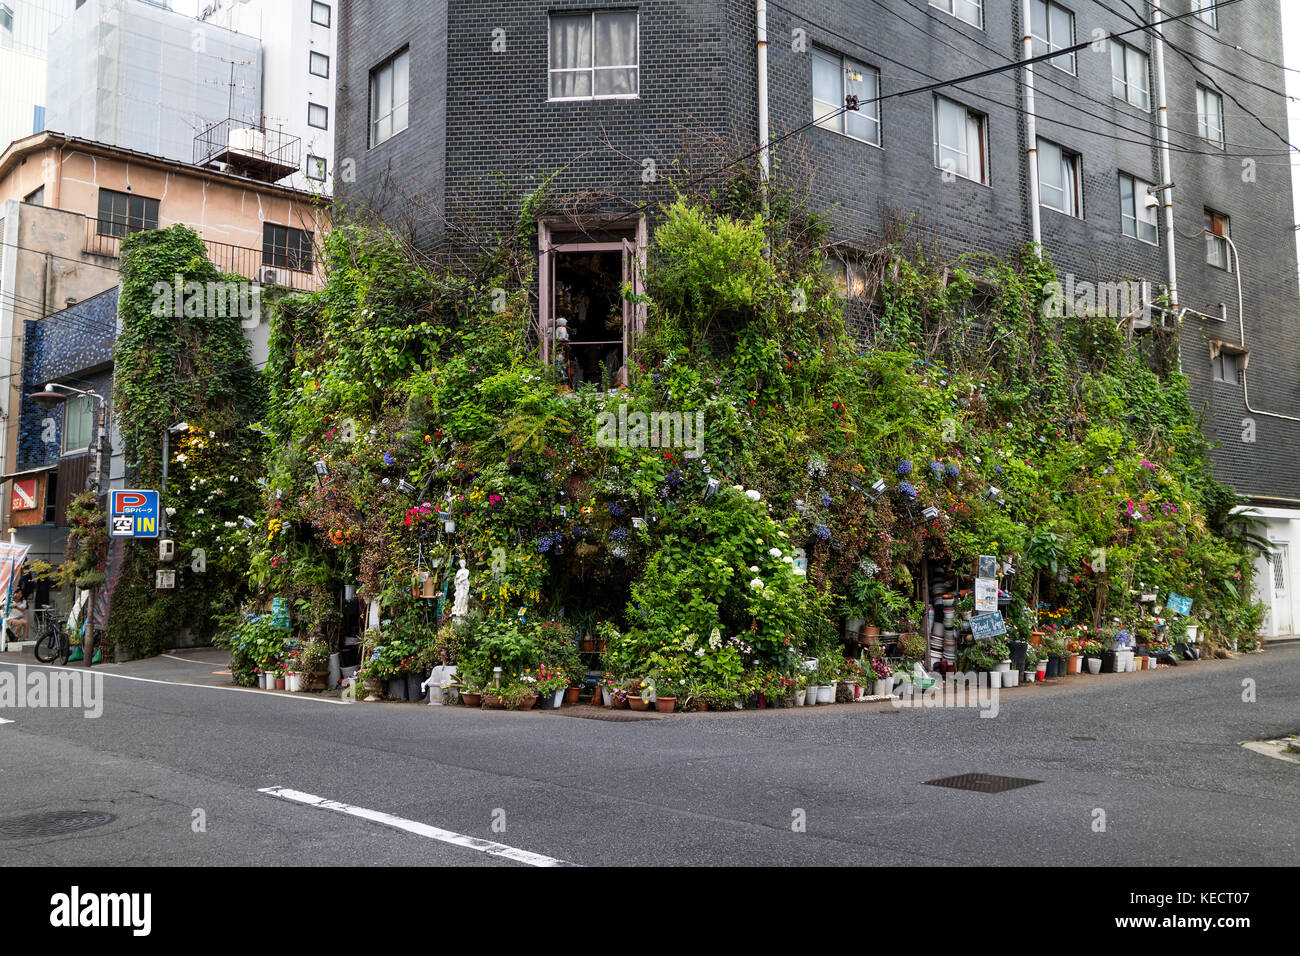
<point>65,206</point>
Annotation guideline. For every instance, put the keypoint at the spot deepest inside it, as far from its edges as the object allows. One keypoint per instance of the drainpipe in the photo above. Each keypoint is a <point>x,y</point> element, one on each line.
<point>1166,175</point>
<point>1241,326</point>
<point>764,157</point>
<point>1031,130</point>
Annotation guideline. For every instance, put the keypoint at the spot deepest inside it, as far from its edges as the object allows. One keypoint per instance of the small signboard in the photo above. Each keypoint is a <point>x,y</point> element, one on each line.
<point>988,566</point>
<point>280,613</point>
<point>24,498</point>
<point>987,625</point>
<point>986,594</point>
<point>1179,604</point>
<point>133,514</point>
<point>164,580</point>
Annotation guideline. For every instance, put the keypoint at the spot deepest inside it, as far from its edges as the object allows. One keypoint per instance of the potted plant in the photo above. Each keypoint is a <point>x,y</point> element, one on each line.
<point>882,678</point>
<point>1091,651</point>
<point>313,663</point>
<point>550,685</point>
<point>1032,654</point>
<point>828,673</point>
<point>641,694</point>
<point>1054,647</point>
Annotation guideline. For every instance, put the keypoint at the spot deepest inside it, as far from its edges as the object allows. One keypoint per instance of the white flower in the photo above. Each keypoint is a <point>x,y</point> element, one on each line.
<point>699,652</point>
<point>754,568</point>
<point>715,639</point>
<point>774,552</point>
<point>756,584</point>
<point>212,434</point>
<point>752,495</point>
<point>200,511</point>
<point>800,572</point>
<point>788,560</point>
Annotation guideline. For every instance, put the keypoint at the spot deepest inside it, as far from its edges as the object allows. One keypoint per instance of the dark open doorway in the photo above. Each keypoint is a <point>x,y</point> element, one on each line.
<point>588,297</point>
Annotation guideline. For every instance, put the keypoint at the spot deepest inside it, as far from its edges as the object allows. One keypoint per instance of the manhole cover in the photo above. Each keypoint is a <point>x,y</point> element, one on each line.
<point>981,782</point>
<point>53,823</point>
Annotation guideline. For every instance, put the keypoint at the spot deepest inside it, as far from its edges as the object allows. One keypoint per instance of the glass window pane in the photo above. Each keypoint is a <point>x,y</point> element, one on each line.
<point>401,79</point>
<point>620,82</point>
<point>565,85</point>
<point>828,95</point>
<point>570,42</point>
<point>616,38</point>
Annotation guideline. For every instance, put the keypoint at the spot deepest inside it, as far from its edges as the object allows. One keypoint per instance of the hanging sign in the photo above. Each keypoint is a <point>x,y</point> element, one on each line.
<point>988,566</point>
<point>986,594</point>
<point>133,514</point>
<point>987,625</point>
<point>1179,604</point>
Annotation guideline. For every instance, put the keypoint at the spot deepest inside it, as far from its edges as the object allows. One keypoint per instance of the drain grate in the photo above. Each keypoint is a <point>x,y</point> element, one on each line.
<point>982,782</point>
<point>1083,738</point>
<point>53,823</point>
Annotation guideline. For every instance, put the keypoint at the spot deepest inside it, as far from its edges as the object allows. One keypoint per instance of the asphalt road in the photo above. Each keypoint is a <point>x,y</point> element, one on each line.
<point>1157,756</point>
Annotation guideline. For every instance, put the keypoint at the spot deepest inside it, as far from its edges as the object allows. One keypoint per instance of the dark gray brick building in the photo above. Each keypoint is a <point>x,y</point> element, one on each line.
<point>613,101</point>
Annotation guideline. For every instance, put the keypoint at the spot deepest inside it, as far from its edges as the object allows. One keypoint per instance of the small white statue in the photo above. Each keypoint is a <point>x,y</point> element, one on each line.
<point>460,607</point>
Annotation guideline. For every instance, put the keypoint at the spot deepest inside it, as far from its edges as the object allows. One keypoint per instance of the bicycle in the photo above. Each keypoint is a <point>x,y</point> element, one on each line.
<point>52,644</point>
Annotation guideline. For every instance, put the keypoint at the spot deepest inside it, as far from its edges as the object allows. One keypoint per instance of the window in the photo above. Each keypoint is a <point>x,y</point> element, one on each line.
<point>1206,12</point>
<point>36,197</point>
<point>1209,116</point>
<point>286,247</point>
<point>1137,209</point>
<point>1226,367</point>
<point>317,168</point>
<point>6,18</point>
<point>320,13</point>
<point>594,55</point>
<point>78,421</point>
<point>390,91</point>
<point>1058,179</point>
<point>849,276</point>
<point>835,78</point>
<point>1129,74</point>
<point>972,11</point>
<point>1052,29</point>
<point>318,116</point>
<point>960,140</point>
<point>319,64</point>
<point>122,213</point>
<point>1217,233</point>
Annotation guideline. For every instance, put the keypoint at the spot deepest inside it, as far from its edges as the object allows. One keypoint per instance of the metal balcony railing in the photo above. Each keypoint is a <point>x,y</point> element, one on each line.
<point>249,150</point>
<point>270,267</point>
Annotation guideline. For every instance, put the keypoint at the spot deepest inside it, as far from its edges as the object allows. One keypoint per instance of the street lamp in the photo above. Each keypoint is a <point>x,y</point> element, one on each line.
<point>166,460</point>
<point>56,394</point>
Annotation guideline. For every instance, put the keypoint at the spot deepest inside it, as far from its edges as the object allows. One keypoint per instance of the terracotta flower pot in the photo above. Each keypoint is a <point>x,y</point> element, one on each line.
<point>527,702</point>
<point>665,705</point>
<point>471,700</point>
<point>491,702</point>
<point>636,703</point>
<point>279,683</point>
<point>571,695</point>
<point>701,706</point>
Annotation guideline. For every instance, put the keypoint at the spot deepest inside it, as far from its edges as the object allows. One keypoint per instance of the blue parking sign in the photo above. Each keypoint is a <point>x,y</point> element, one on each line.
<point>133,514</point>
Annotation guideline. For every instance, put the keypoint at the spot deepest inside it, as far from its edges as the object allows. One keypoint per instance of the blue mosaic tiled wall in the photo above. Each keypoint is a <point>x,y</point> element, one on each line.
<point>74,345</point>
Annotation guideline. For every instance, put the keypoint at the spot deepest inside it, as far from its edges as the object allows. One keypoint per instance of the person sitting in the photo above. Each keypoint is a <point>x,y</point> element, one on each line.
<point>17,619</point>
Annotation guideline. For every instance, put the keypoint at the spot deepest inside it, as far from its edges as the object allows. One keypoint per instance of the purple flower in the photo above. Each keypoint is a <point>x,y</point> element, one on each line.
<point>822,532</point>
<point>952,471</point>
<point>936,469</point>
<point>618,534</point>
<point>904,468</point>
<point>826,500</point>
<point>907,488</point>
<point>388,459</point>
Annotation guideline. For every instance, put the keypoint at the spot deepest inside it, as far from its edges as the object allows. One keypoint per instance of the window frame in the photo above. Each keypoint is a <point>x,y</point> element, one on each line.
<point>1203,95</point>
<point>329,14</point>
<point>1049,41</point>
<point>842,119</point>
<point>85,409</point>
<point>592,68</point>
<point>324,167</point>
<point>1140,190</point>
<point>119,226</point>
<point>1073,162</point>
<point>1126,81</point>
<point>324,109</point>
<point>314,56</point>
<point>981,121</point>
<point>388,65</point>
<point>1218,240</point>
<point>950,7</point>
<point>1207,12</point>
<point>296,257</point>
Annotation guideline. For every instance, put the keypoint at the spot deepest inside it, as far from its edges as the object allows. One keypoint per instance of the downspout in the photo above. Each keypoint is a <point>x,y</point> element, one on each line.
<point>764,135</point>
<point>1241,326</point>
<point>1166,175</point>
<point>1031,130</point>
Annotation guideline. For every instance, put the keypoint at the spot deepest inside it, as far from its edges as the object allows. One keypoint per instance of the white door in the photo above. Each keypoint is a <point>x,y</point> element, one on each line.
<point>1281,567</point>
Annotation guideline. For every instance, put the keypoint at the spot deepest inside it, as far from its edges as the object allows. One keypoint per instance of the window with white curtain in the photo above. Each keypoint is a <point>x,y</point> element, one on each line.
<point>390,92</point>
<point>1137,215</point>
<point>594,55</point>
<point>1058,179</point>
<point>1217,231</point>
<point>1130,79</point>
<point>960,140</point>
<point>972,11</point>
<point>834,79</point>
<point>1209,115</point>
<point>1052,28</point>
<point>1138,218</point>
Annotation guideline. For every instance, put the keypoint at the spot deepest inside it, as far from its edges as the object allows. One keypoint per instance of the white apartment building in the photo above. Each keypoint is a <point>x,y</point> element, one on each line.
<point>299,47</point>
<point>137,75</point>
<point>25,28</point>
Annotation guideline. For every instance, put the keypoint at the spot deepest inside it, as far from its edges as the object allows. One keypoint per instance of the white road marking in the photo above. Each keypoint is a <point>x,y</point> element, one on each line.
<point>3,721</point>
<point>174,683</point>
<point>419,829</point>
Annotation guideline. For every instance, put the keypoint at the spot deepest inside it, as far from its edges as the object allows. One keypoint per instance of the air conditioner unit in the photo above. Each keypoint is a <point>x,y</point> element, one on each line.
<point>268,276</point>
<point>251,142</point>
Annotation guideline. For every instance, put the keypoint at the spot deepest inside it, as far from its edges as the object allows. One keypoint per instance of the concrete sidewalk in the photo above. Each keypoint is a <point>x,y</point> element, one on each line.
<point>191,665</point>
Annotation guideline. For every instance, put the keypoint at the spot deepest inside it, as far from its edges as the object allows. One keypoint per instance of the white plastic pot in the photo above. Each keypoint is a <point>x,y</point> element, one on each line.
<point>293,682</point>
<point>1009,678</point>
<point>995,678</point>
<point>1003,667</point>
<point>810,695</point>
<point>826,694</point>
<point>1094,665</point>
<point>800,696</point>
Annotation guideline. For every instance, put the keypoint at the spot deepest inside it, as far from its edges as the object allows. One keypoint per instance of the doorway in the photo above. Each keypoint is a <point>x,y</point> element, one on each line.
<point>1279,561</point>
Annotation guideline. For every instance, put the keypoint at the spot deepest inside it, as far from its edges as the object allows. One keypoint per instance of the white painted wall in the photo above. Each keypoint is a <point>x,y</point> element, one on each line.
<point>1282,526</point>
